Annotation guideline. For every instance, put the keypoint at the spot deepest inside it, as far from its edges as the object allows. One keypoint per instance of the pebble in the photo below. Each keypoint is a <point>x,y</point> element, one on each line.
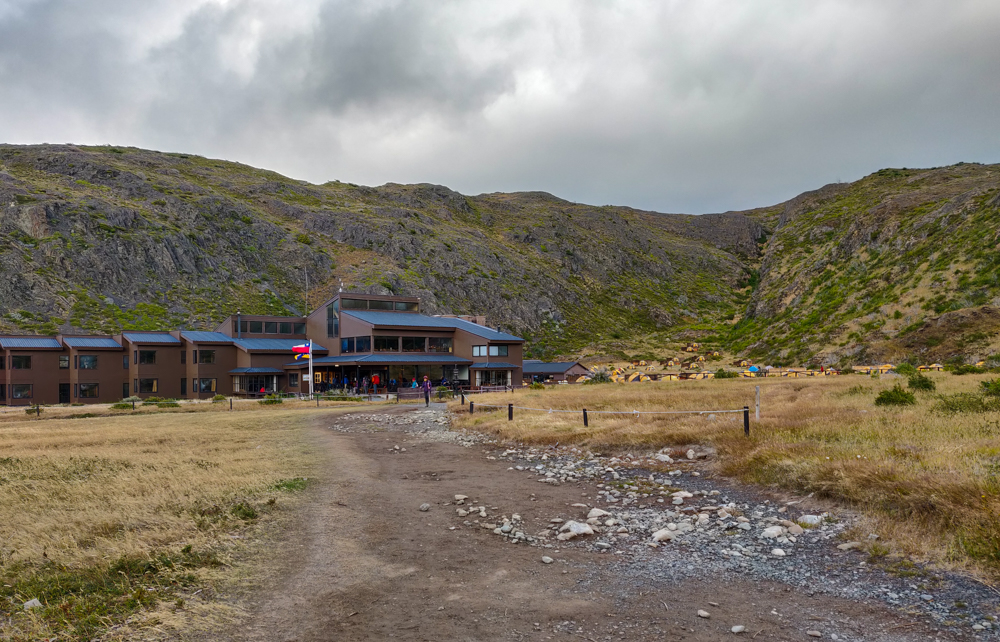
<point>33,603</point>
<point>777,552</point>
<point>546,559</point>
<point>849,546</point>
<point>814,634</point>
<point>739,628</point>
<point>703,614</point>
<point>425,507</point>
<point>602,545</point>
<point>810,520</point>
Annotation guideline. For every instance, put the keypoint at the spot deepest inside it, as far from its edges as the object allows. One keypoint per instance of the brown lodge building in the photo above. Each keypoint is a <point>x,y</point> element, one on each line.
<point>353,336</point>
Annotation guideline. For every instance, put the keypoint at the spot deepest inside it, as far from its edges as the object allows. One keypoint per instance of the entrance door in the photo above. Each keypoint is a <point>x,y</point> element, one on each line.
<point>64,393</point>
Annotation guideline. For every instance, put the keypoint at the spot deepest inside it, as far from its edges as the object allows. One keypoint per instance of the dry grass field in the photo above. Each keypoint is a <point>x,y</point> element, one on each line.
<point>112,520</point>
<point>927,479</point>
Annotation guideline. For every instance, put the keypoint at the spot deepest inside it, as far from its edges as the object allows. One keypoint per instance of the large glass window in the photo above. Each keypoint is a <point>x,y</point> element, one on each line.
<point>293,379</point>
<point>347,344</point>
<point>380,305</point>
<point>440,344</point>
<point>63,361</point>
<point>386,344</point>
<point>498,351</point>
<point>20,391</point>
<point>270,327</point>
<point>406,306</point>
<point>147,357</point>
<point>332,319</point>
<point>256,327</point>
<point>20,362</point>
<point>479,351</point>
<point>414,344</point>
<point>354,304</point>
<point>89,391</point>
<point>206,356</point>
<point>149,385</point>
<point>206,385</point>
<point>88,362</point>
<point>363,344</point>
<point>300,328</point>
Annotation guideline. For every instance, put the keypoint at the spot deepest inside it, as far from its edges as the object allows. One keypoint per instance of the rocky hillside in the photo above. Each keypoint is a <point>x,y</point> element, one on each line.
<point>104,238</point>
<point>902,263</point>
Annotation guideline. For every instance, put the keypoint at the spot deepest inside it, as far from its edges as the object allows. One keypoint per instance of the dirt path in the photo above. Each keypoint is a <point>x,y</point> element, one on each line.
<point>364,563</point>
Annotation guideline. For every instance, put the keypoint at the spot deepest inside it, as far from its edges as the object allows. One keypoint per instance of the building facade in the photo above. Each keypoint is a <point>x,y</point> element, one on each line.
<point>353,337</point>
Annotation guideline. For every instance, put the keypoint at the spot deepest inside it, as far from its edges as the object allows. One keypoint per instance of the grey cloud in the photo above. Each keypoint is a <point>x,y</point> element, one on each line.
<point>674,106</point>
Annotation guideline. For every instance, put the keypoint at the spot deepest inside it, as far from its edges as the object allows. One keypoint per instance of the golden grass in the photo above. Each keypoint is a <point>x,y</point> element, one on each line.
<point>926,480</point>
<point>77,495</point>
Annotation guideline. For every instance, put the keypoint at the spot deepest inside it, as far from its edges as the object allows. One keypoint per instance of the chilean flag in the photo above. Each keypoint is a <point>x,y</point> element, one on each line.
<point>303,351</point>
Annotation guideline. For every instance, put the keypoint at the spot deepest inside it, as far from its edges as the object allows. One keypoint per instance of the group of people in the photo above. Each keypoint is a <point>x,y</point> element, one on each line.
<point>375,383</point>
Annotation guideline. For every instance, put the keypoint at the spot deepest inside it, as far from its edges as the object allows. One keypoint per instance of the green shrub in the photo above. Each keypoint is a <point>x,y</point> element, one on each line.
<point>726,374</point>
<point>218,398</point>
<point>922,383</point>
<point>121,405</point>
<point>602,375</point>
<point>966,402</point>
<point>906,369</point>
<point>131,399</point>
<point>244,511</point>
<point>858,390</point>
<point>537,385</point>
<point>896,396</point>
<point>32,410</point>
<point>270,400</point>
<point>167,404</point>
<point>991,387</point>
<point>964,369</point>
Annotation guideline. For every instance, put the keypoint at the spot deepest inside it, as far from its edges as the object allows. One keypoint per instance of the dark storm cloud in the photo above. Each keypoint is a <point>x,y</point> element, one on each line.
<point>677,106</point>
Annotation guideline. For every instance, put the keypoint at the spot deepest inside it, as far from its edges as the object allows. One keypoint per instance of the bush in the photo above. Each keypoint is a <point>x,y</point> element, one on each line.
<point>121,405</point>
<point>991,387</point>
<point>896,396</point>
<point>536,385</point>
<point>167,404</point>
<point>967,402</point>
<point>602,375</point>
<point>906,369</point>
<point>244,511</point>
<point>270,400</point>
<point>726,374</point>
<point>922,383</point>
<point>131,399</point>
<point>964,369</point>
<point>32,410</point>
<point>218,398</point>
<point>858,390</point>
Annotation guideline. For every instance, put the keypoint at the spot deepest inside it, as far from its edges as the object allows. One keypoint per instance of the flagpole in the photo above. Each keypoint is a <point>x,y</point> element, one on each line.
<point>312,389</point>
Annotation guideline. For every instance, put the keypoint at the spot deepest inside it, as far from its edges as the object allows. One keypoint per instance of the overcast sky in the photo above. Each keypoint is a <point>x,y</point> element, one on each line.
<point>679,106</point>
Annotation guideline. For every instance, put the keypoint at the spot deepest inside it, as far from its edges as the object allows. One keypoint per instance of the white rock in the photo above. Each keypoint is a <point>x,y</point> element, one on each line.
<point>810,520</point>
<point>743,526</point>
<point>459,498</point>
<point>664,458</point>
<point>772,532</point>
<point>849,546</point>
<point>597,512</point>
<point>739,628</point>
<point>663,535</point>
<point>690,454</point>
<point>777,552</point>
<point>795,529</point>
<point>682,493</point>
<point>703,614</point>
<point>425,507</point>
<point>461,513</point>
<point>571,529</point>
<point>546,559</point>
<point>814,634</point>
<point>677,501</point>
<point>33,603</point>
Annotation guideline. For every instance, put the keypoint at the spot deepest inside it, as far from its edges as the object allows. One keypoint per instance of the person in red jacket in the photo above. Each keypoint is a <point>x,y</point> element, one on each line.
<point>375,381</point>
<point>426,385</point>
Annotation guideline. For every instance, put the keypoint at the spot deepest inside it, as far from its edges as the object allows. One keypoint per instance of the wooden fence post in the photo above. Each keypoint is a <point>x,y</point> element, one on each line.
<point>585,423</point>
<point>510,412</point>
<point>472,407</point>
<point>746,420</point>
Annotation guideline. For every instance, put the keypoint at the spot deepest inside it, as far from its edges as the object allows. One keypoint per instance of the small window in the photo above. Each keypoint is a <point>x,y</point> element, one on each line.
<point>256,327</point>
<point>347,344</point>
<point>147,357</point>
<point>244,326</point>
<point>135,385</point>
<point>362,344</point>
<point>206,385</point>
<point>184,386</point>
<point>206,356</point>
<point>184,355</point>
<point>498,351</point>
<point>270,327</point>
<point>125,367</point>
<point>479,351</point>
<point>20,362</point>
<point>293,379</point>
<point>88,362</point>
<point>380,305</point>
<point>440,344</point>
<point>64,362</point>
<point>354,304</point>
<point>21,391</point>
<point>406,306</point>
<point>413,344</point>
<point>125,385</point>
<point>148,385</point>
<point>386,344</point>
<point>300,328</point>
<point>89,391</point>
<point>285,327</point>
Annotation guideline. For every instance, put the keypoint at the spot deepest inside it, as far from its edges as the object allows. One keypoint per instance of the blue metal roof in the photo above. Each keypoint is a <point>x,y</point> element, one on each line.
<point>382,359</point>
<point>414,320</point>
<point>494,365</point>
<point>276,345</point>
<point>538,367</point>
<point>91,342</point>
<point>256,371</point>
<point>29,342</point>
<point>150,337</point>
<point>207,337</point>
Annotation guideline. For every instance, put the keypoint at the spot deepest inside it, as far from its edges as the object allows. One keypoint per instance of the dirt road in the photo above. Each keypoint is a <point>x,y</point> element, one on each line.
<point>362,562</point>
